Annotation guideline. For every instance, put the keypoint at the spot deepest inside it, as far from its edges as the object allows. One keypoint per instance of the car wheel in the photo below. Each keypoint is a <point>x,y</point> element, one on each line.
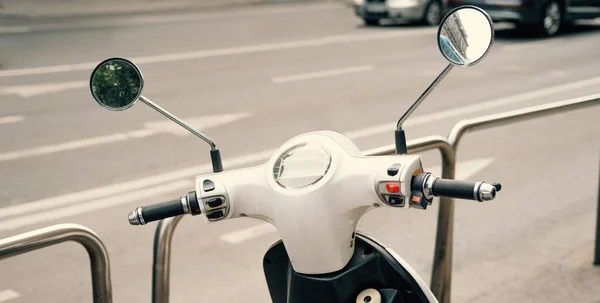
<point>371,22</point>
<point>433,13</point>
<point>552,20</point>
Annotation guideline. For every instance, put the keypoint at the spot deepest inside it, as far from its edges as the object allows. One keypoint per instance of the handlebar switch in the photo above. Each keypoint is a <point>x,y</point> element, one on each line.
<point>215,215</point>
<point>214,203</point>
<point>216,207</point>
<point>208,185</point>
<point>393,170</point>
<point>420,196</point>
<point>213,198</point>
<point>397,201</point>
<point>393,177</point>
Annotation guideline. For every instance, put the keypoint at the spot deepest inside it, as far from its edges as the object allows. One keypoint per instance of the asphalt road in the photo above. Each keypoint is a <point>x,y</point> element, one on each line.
<point>251,79</point>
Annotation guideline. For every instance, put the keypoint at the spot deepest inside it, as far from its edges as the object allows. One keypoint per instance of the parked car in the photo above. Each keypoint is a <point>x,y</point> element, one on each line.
<point>428,12</point>
<point>543,17</point>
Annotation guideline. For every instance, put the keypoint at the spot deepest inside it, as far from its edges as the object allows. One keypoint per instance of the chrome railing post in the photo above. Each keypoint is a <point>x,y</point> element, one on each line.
<point>161,260</point>
<point>47,236</point>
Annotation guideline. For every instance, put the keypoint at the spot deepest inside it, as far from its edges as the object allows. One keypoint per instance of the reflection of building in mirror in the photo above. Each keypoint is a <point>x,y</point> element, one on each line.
<point>454,31</point>
<point>450,51</point>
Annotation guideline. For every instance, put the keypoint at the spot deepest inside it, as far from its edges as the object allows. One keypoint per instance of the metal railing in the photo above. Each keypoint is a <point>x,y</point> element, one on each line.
<point>161,260</point>
<point>442,261</point>
<point>55,234</point>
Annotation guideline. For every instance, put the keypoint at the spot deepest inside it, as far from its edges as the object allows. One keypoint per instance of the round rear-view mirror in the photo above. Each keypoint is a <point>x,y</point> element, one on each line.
<point>465,35</point>
<point>116,84</point>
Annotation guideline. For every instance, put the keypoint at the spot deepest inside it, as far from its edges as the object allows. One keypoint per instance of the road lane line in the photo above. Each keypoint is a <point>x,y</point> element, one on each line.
<point>54,148</point>
<point>25,209</point>
<point>457,112</point>
<point>151,128</point>
<point>53,214</point>
<point>8,294</point>
<point>179,18</point>
<point>323,73</point>
<point>11,119</point>
<point>222,52</point>
<point>464,171</point>
<point>26,91</point>
<point>14,29</point>
<point>526,45</point>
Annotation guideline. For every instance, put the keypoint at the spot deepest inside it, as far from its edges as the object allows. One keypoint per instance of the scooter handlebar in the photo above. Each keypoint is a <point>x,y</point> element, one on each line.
<point>431,186</point>
<point>479,191</point>
<point>146,214</point>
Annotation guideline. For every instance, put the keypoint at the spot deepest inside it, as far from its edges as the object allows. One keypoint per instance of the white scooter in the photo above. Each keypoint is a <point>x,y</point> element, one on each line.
<point>316,188</point>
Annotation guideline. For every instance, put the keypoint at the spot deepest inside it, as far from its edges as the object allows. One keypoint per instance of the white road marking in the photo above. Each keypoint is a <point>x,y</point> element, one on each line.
<point>204,122</point>
<point>14,29</point>
<point>26,91</point>
<point>143,20</point>
<point>11,119</point>
<point>525,45</point>
<point>249,49</point>
<point>457,112</point>
<point>95,205</point>
<point>8,294</point>
<point>323,73</point>
<point>464,170</point>
<point>54,148</point>
<point>26,209</point>
<point>151,128</point>
<point>375,130</point>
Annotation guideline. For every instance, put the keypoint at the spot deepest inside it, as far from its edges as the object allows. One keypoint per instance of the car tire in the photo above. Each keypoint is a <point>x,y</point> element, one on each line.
<point>371,22</point>
<point>433,13</point>
<point>552,20</point>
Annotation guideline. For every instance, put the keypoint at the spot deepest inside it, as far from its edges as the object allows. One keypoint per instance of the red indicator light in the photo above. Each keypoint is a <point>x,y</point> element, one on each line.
<point>392,187</point>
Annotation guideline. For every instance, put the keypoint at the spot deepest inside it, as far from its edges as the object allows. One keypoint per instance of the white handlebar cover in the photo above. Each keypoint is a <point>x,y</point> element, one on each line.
<point>314,189</point>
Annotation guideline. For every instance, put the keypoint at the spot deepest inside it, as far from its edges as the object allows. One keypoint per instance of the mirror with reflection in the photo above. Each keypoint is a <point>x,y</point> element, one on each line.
<point>116,84</point>
<point>465,35</point>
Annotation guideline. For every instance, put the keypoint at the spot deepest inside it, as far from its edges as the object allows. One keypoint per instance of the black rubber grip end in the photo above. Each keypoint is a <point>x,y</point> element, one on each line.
<point>162,211</point>
<point>400,140</point>
<point>455,189</point>
<point>215,158</point>
<point>194,204</point>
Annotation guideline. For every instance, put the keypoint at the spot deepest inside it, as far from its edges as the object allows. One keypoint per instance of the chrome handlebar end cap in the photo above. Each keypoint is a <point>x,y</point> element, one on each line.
<point>133,218</point>
<point>487,192</point>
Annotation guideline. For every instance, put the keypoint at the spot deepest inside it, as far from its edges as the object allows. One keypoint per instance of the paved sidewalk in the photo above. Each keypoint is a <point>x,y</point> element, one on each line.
<point>88,8</point>
<point>571,279</point>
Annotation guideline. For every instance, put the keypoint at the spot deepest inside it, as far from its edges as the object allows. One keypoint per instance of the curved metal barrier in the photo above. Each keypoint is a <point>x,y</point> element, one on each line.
<point>442,262</point>
<point>47,236</point>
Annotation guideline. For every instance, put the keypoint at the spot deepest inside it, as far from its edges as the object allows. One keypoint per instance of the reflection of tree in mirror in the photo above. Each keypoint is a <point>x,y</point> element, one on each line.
<point>454,31</point>
<point>116,83</point>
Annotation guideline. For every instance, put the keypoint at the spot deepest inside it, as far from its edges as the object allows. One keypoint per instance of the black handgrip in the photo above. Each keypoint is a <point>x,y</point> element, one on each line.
<point>161,211</point>
<point>455,189</point>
